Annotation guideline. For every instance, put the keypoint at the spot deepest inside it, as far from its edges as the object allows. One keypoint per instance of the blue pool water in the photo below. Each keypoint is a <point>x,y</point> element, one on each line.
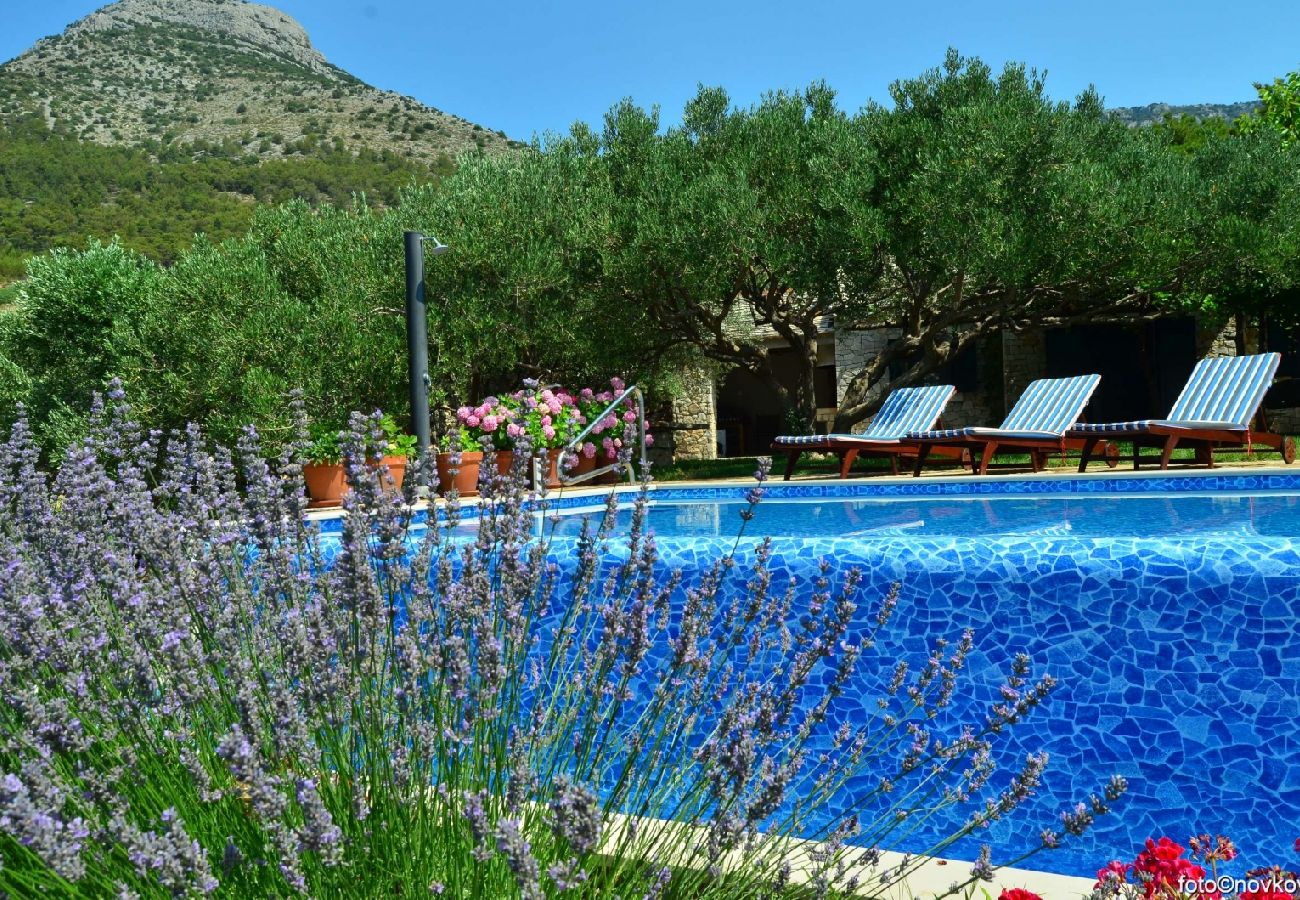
<point>1166,608</point>
<point>1015,517</point>
<point>1168,616</point>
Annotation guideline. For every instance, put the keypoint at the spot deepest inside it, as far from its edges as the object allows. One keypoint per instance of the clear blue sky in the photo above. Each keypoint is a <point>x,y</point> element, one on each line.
<point>527,67</point>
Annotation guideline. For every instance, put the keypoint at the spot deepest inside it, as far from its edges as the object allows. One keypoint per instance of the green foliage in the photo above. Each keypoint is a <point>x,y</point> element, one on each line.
<point>57,191</point>
<point>1188,134</point>
<point>80,320</point>
<point>327,443</point>
<point>1279,108</point>
<point>740,214</point>
<point>1001,206</point>
<point>520,292</point>
<point>1244,208</point>
<point>225,334</point>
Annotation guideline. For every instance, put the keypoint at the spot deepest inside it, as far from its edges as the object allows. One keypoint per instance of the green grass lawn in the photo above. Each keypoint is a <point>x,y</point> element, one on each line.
<point>827,465</point>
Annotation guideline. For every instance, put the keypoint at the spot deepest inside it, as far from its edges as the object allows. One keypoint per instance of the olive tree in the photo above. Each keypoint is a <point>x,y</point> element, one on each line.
<point>1001,208</point>
<point>521,291</point>
<point>741,224</point>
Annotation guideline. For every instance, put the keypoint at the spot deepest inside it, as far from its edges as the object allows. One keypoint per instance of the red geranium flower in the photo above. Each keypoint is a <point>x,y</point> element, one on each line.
<point>1018,894</point>
<point>1163,861</point>
<point>1267,892</point>
<point>1119,869</point>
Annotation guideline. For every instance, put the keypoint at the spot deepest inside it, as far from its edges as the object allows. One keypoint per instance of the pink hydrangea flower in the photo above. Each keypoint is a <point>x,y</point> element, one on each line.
<point>629,416</point>
<point>472,420</point>
<point>514,430</point>
<point>649,440</point>
<point>589,449</point>
<point>490,423</point>
<point>548,431</point>
<point>587,394</point>
<point>617,384</point>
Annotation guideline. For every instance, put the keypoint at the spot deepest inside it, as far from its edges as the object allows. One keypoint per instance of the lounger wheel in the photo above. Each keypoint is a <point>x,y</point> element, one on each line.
<point>1111,453</point>
<point>1288,450</point>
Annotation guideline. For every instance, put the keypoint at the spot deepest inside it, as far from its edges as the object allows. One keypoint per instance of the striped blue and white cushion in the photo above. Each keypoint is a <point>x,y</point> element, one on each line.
<point>1044,411</point>
<point>1145,425</point>
<point>909,409</point>
<point>974,432</point>
<point>795,440</point>
<point>904,410</point>
<point>1226,389</point>
<point>1222,394</point>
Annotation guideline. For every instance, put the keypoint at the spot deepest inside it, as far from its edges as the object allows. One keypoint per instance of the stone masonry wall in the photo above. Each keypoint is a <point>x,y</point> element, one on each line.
<point>1024,359</point>
<point>854,349</point>
<point>690,431</point>
<point>1216,341</point>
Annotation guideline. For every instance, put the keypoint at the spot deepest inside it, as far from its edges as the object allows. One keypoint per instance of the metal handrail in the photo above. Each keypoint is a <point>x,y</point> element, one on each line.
<point>577,441</point>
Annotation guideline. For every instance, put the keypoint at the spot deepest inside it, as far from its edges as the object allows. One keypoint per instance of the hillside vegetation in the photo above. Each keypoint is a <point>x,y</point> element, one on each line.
<point>156,120</point>
<point>58,191</point>
<point>161,73</point>
<point>1155,113</point>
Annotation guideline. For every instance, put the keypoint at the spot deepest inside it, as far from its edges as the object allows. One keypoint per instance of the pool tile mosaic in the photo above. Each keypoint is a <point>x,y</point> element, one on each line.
<point>1178,658</point>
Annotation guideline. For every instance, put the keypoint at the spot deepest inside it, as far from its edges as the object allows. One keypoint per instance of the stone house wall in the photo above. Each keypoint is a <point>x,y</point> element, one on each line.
<point>688,428</point>
<point>854,349</point>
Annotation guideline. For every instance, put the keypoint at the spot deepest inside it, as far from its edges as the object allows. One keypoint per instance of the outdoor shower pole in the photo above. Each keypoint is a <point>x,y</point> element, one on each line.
<point>417,340</point>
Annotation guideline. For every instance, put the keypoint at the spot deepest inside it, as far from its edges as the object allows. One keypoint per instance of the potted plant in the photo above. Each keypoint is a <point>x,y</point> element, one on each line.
<point>617,428</point>
<point>459,459</point>
<point>324,474</point>
<point>549,418</point>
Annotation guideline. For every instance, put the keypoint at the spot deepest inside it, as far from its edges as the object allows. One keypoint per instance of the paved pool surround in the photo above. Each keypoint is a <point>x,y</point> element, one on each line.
<point>1178,658</point>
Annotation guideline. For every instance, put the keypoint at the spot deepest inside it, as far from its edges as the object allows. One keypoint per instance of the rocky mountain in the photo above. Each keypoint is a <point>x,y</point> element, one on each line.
<point>1153,113</point>
<point>220,73</point>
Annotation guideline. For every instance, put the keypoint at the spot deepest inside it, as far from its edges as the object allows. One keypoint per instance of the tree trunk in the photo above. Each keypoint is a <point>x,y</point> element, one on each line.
<point>803,399</point>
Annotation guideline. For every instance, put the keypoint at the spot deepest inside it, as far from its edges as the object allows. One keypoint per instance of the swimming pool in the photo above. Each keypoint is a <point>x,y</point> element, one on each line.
<point>1166,607</point>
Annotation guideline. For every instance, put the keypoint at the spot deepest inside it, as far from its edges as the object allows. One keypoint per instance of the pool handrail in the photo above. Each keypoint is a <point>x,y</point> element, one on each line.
<point>567,479</point>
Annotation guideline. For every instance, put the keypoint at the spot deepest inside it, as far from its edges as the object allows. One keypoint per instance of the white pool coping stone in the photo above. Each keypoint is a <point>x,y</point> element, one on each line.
<point>1099,472</point>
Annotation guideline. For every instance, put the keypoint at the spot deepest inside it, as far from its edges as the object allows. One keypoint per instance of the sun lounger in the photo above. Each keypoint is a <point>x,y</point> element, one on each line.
<point>904,410</point>
<point>1036,425</point>
<point>1215,409</point>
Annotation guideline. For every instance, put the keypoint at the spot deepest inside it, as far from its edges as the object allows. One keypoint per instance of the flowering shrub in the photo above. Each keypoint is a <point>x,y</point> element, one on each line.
<point>1161,871</point>
<point>614,430</point>
<point>203,694</point>
<point>543,416</point>
<point>486,422</point>
<point>550,417</point>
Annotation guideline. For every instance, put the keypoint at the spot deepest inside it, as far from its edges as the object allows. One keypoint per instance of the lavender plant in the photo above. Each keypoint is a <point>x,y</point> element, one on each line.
<point>205,695</point>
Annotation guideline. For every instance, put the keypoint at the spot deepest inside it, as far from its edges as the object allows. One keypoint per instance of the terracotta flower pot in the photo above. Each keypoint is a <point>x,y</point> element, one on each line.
<point>505,462</point>
<point>585,464</point>
<point>465,479</point>
<point>551,467</point>
<point>327,483</point>
<point>396,466</point>
<point>612,477</point>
